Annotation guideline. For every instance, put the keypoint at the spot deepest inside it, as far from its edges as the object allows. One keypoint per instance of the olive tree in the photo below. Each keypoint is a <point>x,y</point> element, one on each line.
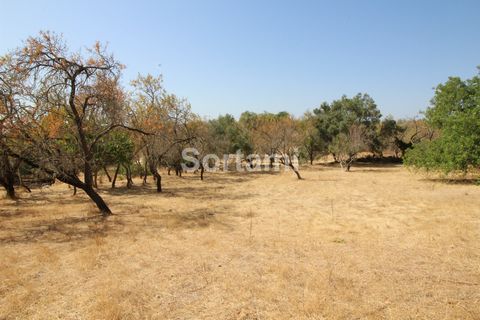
<point>348,126</point>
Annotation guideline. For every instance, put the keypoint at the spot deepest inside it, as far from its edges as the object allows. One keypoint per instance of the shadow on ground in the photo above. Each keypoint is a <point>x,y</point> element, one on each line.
<point>29,220</point>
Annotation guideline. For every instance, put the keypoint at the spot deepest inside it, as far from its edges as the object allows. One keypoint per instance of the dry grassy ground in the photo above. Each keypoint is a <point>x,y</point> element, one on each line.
<point>379,242</point>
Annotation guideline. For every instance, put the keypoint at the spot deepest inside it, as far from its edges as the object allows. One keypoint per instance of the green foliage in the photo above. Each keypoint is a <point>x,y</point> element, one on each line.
<point>348,125</point>
<point>340,115</point>
<point>313,144</point>
<point>230,135</point>
<point>455,112</point>
<point>388,133</point>
<point>116,148</point>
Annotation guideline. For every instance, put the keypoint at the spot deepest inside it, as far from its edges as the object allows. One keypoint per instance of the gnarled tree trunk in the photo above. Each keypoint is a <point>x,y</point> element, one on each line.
<point>99,202</point>
<point>152,164</point>
<point>89,190</point>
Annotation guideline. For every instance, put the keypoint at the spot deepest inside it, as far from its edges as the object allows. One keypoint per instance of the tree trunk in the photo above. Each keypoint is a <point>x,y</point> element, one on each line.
<point>10,190</point>
<point>145,173</point>
<point>98,200</point>
<point>115,176</point>
<point>89,190</point>
<point>107,174</point>
<point>95,179</point>
<point>129,176</point>
<point>74,181</point>
<point>158,179</point>
<point>7,175</point>
<point>347,164</point>
<point>290,164</point>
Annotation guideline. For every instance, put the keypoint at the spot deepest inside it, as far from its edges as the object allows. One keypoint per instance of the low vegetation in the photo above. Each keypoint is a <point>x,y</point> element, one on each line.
<point>380,242</point>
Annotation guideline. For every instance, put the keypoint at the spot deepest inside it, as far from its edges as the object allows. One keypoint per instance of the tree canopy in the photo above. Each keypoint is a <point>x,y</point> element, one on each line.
<point>455,112</point>
<point>348,126</point>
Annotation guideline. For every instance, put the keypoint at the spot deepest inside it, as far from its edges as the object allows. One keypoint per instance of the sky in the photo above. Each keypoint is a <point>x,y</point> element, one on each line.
<point>234,56</point>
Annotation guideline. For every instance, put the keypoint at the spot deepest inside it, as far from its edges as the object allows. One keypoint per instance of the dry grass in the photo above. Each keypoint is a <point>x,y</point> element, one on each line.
<point>375,243</point>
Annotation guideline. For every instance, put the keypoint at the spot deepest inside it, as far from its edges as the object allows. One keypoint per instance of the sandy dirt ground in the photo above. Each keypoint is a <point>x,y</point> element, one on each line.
<point>379,242</point>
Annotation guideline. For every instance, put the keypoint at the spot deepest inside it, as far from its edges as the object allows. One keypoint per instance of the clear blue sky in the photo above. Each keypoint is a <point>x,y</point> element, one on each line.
<point>232,56</point>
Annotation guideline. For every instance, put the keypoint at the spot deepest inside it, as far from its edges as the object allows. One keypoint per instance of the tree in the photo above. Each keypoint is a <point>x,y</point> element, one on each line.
<point>148,113</point>
<point>346,146</point>
<point>410,132</point>
<point>389,133</point>
<point>65,103</point>
<point>115,149</point>
<point>8,166</point>
<point>8,172</point>
<point>179,116</point>
<point>313,144</point>
<point>348,126</point>
<point>455,112</point>
<point>204,141</point>
<point>166,117</point>
<point>230,136</point>
<point>278,135</point>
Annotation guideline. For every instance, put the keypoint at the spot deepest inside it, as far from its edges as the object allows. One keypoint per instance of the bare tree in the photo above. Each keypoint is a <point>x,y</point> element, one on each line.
<point>166,117</point>
<point>66,102</point>
<point>278,134</point>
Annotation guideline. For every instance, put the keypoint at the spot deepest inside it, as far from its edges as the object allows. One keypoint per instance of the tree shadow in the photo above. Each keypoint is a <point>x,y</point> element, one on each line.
<point>65,229</point>
<point>135,190</point>
<point>28,222</point>
<point>374,166</point>
<point>235,176</point>
<point>194,219</point>
<point>200,194</point>
<point>360,166</point>
<point>26,206</point>
<point>454,181</point>
<point>77,229</point>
